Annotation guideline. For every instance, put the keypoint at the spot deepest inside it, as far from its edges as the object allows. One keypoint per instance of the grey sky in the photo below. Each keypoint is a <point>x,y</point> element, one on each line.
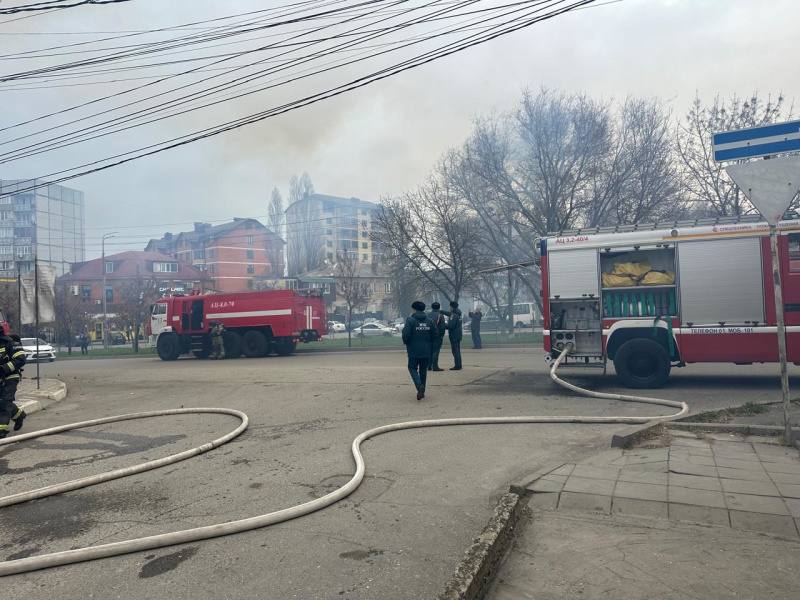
<point>383,139</point>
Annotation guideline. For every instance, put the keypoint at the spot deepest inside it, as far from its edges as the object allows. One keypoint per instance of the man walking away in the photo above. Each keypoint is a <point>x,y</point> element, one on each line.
<point>455,334</point>
<point>84,343</point>
<point>217,341</point>
<point>437,318</point>
<point>418,336</point>
<point>12,359</point>
<point>475,328</point>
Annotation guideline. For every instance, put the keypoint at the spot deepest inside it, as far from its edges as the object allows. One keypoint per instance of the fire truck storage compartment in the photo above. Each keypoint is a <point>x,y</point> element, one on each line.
<point>721,282</point>
<point>638,282</point>
<point>573,273</point>
<point>576,321</point>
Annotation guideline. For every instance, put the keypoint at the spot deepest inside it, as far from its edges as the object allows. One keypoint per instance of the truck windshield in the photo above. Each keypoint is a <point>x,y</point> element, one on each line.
<point>159,309</point>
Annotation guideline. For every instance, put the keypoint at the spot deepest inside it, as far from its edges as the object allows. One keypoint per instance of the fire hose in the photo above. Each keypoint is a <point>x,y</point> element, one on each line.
<point>195,534</point>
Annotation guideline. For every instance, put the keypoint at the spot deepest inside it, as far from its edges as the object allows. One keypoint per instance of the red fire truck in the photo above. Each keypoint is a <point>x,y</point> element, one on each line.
<point>650,298</point>
<point>256,323</point>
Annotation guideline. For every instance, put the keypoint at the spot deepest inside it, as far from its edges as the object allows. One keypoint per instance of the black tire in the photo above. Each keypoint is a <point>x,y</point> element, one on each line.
<point>254,344</point>
<point>233,344</point>
<point>284,347</point>
<point>519,324</point>
<point>168,346</point>
<point>642,363</point>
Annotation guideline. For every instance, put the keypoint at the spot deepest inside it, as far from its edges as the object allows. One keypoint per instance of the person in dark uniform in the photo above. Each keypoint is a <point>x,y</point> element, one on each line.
<point>437,318</point>
<point>12,359</point>
<point>418,336</point>
<point>455,334</point>
<point>475,328</point>
<point>218,340</point>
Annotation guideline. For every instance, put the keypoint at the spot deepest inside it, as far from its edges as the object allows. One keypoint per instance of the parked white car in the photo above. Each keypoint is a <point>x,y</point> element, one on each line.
<point>370,329</point>
<point>46,351</point>
<point>336,327</point>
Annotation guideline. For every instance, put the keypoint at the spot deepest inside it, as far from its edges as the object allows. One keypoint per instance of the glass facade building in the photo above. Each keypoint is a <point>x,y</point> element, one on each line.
<point>47,221</point>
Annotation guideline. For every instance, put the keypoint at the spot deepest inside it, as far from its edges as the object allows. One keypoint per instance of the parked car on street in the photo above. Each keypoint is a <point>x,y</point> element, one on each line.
<point>46,351</point>
<point>117,338</point>
<point>336,327</point>
<point>372,329</point>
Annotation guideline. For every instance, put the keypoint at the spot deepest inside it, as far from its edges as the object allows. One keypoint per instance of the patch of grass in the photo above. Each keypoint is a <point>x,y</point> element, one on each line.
<point>388,342</point>
<point>727,414</point>
<point>103,353</point>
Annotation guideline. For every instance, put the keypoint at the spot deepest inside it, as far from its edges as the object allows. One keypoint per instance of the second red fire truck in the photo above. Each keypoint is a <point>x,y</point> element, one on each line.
<point>650,298</point>
<point>256,323</point>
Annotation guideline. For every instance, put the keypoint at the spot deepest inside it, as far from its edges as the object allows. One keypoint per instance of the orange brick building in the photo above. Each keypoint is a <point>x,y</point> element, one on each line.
<point>232,255</point>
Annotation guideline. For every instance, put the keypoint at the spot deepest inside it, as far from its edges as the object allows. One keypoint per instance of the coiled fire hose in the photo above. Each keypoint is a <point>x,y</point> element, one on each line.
<point>195,534</point>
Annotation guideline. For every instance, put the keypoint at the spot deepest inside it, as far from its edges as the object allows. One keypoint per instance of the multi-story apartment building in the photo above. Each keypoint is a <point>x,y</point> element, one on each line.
<point>46,222</point>
<point>319,226</point>
<point>232,254</point>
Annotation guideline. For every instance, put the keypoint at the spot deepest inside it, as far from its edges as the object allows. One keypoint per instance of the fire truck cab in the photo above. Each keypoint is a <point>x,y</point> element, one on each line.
<point>653,297</point>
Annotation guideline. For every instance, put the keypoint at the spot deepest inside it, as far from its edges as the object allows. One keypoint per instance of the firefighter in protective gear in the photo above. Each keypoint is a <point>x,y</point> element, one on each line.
<point>12,359</point>
<point>217,341</point>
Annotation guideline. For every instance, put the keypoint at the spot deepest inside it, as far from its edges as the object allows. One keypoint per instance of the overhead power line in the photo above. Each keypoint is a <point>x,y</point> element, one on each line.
<point>54,4</point>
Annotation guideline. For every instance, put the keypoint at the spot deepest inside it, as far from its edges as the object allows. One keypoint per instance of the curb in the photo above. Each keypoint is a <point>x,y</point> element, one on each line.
<point>520,486</point>
<point>627,437</point>
<point>475,572</point>
<point>34,401</point>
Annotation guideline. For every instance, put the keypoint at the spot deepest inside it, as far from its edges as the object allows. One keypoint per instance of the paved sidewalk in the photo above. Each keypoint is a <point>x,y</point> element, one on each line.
<point>689,516</point>
<point>32,399</point>
<point>718,479</point>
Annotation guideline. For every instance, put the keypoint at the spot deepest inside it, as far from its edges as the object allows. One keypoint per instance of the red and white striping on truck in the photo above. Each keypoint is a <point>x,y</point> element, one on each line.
<point>650,298</point>
<point>256,323</point>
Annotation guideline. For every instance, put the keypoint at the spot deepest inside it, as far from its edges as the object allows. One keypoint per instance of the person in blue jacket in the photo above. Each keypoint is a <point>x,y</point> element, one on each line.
<point>419,335</point>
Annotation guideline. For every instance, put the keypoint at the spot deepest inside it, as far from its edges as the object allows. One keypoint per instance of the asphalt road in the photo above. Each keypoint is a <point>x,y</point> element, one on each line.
<point>426,495</point>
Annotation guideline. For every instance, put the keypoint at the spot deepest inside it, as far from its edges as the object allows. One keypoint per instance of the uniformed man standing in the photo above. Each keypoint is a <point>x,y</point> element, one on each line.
<point>217,340</point>
<point>437,318</point>
<point>418,336</point>
<point>12,359</point>
<point>475,329</point>
<point>455,334</point>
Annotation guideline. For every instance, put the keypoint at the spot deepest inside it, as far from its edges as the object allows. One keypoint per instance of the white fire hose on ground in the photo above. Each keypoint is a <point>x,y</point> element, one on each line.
<point>195,534</point>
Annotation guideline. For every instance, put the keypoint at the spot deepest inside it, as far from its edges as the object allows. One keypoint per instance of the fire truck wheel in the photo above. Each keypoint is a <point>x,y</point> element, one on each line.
<point>284,347</point>
<point>254,344</point>
<point>233,344</point>
<point>168,347</point>
<point>642,363</point>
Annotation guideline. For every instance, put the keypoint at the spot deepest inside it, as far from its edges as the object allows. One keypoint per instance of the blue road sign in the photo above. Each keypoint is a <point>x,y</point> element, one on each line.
<point>757,141</point>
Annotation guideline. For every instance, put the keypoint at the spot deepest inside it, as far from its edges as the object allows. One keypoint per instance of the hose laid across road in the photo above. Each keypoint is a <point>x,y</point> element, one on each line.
<point>195,534</point>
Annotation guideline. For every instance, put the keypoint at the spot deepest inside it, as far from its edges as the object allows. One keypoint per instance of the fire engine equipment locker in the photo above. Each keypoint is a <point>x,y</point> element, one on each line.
<point>721,281</point>
<point>573,273</point>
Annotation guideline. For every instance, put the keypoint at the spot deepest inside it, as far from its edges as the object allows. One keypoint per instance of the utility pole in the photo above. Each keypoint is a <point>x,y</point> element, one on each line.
<point>36,319</point>
<point>105,305</point>
<point>19,294</point>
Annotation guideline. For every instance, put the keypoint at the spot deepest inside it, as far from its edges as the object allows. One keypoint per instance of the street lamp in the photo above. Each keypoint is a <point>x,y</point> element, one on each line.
<point>105,308</point>
<point>19,293</point>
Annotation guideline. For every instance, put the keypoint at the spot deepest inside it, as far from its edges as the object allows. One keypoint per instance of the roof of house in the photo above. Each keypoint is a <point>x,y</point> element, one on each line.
<point>206,231</point>
<point>133,263</point>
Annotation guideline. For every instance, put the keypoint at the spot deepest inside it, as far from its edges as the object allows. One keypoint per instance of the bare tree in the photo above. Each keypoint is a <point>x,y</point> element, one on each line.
<point>433,230</point>
<point>306,251</point>
<point>71,316</point>
<point>351,287</point>
<point>136,296</point>
<point>276,220</point>
<point>706,183</point>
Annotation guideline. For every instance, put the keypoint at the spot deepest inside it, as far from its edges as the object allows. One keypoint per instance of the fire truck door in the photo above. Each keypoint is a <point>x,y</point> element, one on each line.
<point>197,314</point>
<point>185,316</point>
<point>789,249</point>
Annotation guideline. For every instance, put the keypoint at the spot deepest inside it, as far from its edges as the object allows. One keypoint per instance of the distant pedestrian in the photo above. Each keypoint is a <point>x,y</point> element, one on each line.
<point>84,342</point>
<point>475,328</point>
<point>455,334</point>
<point>12,359</point>
<point>438,320</point>
<point>218,340</point>
<point>418,336</point>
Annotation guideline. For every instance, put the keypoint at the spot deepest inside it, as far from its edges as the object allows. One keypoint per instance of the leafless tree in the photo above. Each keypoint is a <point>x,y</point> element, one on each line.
<point>136,296</point>
<point>351,287</point>
<point>434,231</point>
<point>306,251</point>
<point>276,220</point>
<point>71,316</point>
<point>706,183</point>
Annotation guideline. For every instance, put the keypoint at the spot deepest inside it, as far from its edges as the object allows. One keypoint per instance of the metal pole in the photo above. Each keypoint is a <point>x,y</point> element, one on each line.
<point>19,296</point>
<point>36,303</point>
<point>103,292</point>
<point>781,327</point>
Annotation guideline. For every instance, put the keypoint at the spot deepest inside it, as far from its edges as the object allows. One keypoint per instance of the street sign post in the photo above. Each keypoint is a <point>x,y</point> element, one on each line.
<point>755,142</point>
<point>770,185</point>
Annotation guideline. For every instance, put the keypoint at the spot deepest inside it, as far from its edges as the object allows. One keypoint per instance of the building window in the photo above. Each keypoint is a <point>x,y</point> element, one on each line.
<point>250,254</point>
<point>329,221</point>
<point>211,252</point>
<point>364,257</point>
<point>364,234</point>
<point>387,287</point>
<point>6,250</point>
<point>212,269</point>
<point>109,294</point>
<point>329,232</point>
<point>6,215</point>
<point>109,267</point>
<point>364,224</point>
<point>251,269</point>
<point>23,250</point>
<point>163,267</point>
<point>250,239</point>
<point>6,232</point>
<point>364,245</point>
<point>86,291</point>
